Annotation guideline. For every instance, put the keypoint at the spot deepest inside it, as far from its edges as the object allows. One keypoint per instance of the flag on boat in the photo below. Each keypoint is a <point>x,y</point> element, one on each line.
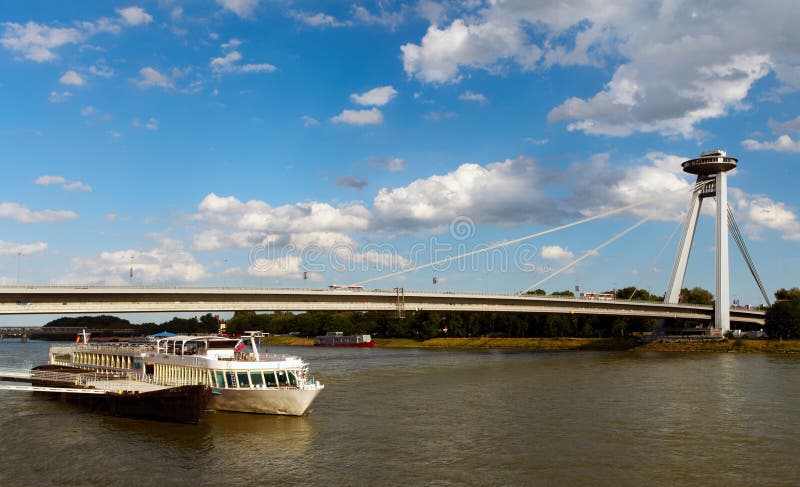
<point>78,338</point>
<point>239,346</point>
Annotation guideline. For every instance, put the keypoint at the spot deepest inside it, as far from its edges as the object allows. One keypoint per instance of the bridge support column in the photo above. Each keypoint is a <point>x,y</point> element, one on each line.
<point>722,298</point>
<point>712,181</point>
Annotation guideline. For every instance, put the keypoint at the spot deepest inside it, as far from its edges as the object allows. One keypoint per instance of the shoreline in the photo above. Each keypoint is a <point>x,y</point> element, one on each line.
<point>567,344</point>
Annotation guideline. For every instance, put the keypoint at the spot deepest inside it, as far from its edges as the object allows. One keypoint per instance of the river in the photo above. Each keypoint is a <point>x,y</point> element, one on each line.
<point>422,417</point>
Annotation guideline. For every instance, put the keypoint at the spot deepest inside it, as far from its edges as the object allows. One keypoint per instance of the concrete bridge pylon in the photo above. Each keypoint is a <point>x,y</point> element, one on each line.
<point>712,182</point>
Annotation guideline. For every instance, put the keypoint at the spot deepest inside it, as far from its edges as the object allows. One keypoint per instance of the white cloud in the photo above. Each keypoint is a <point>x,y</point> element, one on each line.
<point>88,110</point>
<point>233,223</point>
<point>756,213</point>
<point>101,70</point>
<point>790,125</point>
<point>375,97</point>
<point>10,248</point>
<point>784,143</point>
<point>17,212</point>
<point>556,253</point>
<point>674,64</point>
<point>134,15</point>
<point>393,164</point>
<point>442,52</point>
<point>317,20</point>
<point>229,63</point>
<point>56,97</point>
<point>152,123</point>
<point>36,41</point>
<point>242,8</point>
<point>384,17</point>
<point>71,78</point>
<point>65,184</point>
<point>309,121</point>
<point>507,192</point>
<point>168,263</point>
<point>114,134</point>
<point>470,96</point>
<point>600,186</point>
<point>372,116</point>
<point>150,77</point>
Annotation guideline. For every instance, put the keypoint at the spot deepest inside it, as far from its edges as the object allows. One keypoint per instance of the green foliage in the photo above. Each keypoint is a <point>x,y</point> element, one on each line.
<point>563,294</point>
<point>93,322</point>
<point>783,317</point>
<point>696,295</point>
<point>537,292</point>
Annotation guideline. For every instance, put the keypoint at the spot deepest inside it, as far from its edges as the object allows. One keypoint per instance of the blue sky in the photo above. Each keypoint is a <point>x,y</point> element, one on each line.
<point>298,144</point>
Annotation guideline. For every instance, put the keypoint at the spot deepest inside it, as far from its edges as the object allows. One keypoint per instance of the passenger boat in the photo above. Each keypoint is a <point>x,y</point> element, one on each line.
<point>239,380</point>
<point>338,339</point>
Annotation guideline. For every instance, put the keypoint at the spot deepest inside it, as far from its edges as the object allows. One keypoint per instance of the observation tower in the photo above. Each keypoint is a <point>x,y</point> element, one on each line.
<point>712,181</point>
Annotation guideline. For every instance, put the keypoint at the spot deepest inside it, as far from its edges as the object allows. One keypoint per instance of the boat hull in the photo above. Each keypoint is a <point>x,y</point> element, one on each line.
<point>290,402</point>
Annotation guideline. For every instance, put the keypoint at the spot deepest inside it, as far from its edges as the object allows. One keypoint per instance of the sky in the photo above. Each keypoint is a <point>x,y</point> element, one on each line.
<point>279,143</point>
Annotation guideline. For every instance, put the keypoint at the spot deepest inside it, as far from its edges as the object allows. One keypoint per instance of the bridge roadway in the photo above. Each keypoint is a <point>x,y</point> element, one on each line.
<point>85,299</point>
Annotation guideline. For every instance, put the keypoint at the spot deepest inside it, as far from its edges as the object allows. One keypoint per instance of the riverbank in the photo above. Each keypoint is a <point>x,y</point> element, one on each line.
<point>556,344</point>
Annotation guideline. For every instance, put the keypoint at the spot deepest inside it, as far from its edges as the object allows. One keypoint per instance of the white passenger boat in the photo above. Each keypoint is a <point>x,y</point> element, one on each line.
<point>242,381</point>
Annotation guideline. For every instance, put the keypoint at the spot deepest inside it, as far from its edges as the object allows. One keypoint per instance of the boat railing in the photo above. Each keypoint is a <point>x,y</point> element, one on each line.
<point>137,348</point>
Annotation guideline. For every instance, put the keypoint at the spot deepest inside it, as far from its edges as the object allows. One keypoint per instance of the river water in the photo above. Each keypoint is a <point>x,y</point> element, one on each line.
<point>421,417</point>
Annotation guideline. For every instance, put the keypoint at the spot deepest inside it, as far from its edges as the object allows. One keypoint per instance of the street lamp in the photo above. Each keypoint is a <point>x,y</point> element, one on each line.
<point>19,255</point>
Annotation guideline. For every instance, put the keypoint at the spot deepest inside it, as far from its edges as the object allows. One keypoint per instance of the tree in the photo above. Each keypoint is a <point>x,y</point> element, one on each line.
<point>537,292</point>
<point>696,295</point>
<point>563,294</point>
<point>783,317</point>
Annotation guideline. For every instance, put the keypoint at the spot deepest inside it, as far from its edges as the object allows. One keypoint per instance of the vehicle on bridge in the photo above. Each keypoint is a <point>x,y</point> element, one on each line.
<point>342,287</point>
<point>241,381</point>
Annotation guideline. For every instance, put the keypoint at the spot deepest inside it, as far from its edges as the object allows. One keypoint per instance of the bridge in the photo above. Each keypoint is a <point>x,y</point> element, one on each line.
<point>84,299</point>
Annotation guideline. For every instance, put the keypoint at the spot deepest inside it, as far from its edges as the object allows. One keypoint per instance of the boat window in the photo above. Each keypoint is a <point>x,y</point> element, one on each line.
<point>292,379</point>
<point>220,378</point>
<point>243,381</point>
<point>231,377</point>
<point>270,377</point>
<point>282,378</point>
<point>256,379</point>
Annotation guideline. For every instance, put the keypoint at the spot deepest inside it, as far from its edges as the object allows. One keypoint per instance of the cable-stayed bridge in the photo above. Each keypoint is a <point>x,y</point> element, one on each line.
<point>710,168</point>
<point>83,300</point>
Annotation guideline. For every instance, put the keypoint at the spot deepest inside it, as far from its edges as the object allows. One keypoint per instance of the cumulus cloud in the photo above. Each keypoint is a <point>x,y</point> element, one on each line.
<point>20,213</point>
<point>309,121</point>
<point>230,222</point>
<point>556,253</point>
<point>384,17</point>
<point>757,213</point>
<point>36,42</point>
<point>318,19</point>
<point>229,62</point>
<point>674,65</point>
<point>242,8</point>
<point>150,77</point>
<point>134,15</point>
<point>375,97</point>
<point>600,186</point>
<point>71,78</point>
<point>470,96</point>
<point>351,182</point>
<point>507,192</point>
<point>167,263</point>
<point>372,116</point>
<point>11,248</point>
<point>784,143</point>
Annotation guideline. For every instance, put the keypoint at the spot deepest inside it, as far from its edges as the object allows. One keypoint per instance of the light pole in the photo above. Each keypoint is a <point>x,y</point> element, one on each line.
<point>224,268</point>
<point>19,255</point>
